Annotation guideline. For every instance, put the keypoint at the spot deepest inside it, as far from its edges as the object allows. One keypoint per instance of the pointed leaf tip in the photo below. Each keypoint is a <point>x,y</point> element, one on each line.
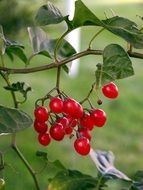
<point>116,65</point>
<point>48,14</point>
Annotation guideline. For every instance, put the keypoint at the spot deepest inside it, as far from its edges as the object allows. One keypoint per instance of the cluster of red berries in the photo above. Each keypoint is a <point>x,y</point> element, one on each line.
<point>67,116</point>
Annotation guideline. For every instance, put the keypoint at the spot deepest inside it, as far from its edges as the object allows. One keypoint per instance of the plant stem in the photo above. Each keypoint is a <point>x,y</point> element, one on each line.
<point>89,47</point>
<point>89,93</point>
<point>63,62</point>
<point>2,60</point>
<point>58,79</point>
<point>13,144</point>
<point>52,65</point>
<point>5,77</point>
<point>58,44</point>
<point>28,166</point>
<point>99,182</point>
<point>1,165</point>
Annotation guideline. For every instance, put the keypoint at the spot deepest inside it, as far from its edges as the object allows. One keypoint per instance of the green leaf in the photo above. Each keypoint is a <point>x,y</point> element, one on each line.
<point>16,51</point>
<point>13,120</point>
<point>55,164</point>
<point>126,29</point>
<point>116,65</point>
<point>138,181</point>
<point>14,48</point>
<point>42,44</point>
<point>42,155</point>
<point>83,17</point>
<point>19,87</point>
<point>48,14</point>
<point>72,179</point>
<point>139,176</point>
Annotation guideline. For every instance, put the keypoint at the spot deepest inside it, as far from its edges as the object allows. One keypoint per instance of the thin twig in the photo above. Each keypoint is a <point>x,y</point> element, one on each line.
<point>5,77</point>
<point>93,38</point>
<point>89,93</point>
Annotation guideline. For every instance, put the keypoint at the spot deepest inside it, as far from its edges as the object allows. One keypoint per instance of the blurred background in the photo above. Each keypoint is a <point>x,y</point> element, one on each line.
<point>123,132</point>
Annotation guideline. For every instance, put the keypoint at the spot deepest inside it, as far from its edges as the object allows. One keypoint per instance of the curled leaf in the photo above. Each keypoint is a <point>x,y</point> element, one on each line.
<point>105,164</point>
<point>42,44</point>
<point>13,120</point>
<point>48,14</point>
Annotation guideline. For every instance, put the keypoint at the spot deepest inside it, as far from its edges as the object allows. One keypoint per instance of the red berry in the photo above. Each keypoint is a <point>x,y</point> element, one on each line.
<point>56,105</point>
<point>99,117</point>
<point>73,108</point>
<point>40,127</point>
<point>41,114</point>
<point>110,90</point>
<point>84,132</point>
<point>68,130</point>
<point>86,121</point>
<point>82,146</point>
<point>64,121</point>
<point>57,131</point>
<point>72,122</point>
<point>44,139</point>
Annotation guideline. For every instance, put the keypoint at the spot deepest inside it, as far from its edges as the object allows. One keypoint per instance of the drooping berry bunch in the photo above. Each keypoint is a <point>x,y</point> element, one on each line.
<point>65,116</point>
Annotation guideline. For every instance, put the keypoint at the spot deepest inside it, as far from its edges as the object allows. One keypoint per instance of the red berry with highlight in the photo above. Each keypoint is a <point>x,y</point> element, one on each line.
<point>40,127</point>
<point>44,139</point>
<point>110,90</point>
<point>63,120</point>
<point>99,117</point>
<point>68,130</point>
<point>57,131</point>
<point>72,122</point>
<point>41,114</point>
<point>84,132</point>
<point>56,105</point>
<point>86,121</point>
<point>73,108</point>
<point>82,146</point>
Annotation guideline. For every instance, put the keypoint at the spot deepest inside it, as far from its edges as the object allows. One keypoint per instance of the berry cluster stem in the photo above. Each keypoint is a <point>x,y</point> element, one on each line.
<point>89,93</point>
<point>58,79</point>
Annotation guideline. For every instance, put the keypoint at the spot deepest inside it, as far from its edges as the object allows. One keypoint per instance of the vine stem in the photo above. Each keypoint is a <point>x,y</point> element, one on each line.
<point>52,65</point>
<point>92,39</point>
<point>5,77</point>
<point>99,182</point>
<point>26,163</point>
<point>13,144</point>
<point>58,44</point>
<point>63,62</point>
<point>2,60</point>
<point>1,164</point>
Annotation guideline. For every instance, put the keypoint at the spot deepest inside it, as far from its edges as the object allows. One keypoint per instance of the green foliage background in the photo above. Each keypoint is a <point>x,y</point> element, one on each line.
<point>123,132</point>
